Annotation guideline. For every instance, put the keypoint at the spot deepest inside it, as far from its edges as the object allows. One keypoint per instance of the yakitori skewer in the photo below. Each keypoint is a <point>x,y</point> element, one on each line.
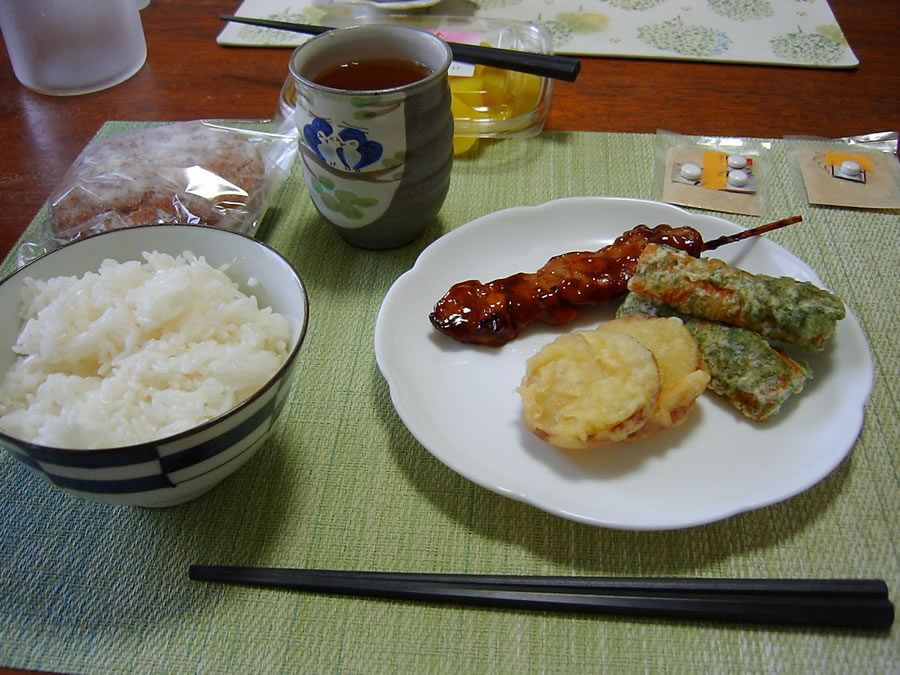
<point>492,313</point>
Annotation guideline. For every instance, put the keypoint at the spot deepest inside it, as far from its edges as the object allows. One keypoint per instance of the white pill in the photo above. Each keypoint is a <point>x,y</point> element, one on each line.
<point>737,161</point>
<point>850,168</point>
<point>738,178</point>
<point>691,171</point>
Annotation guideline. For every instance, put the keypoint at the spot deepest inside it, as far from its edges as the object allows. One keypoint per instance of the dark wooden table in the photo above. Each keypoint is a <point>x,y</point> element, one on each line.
<point>189,76</point>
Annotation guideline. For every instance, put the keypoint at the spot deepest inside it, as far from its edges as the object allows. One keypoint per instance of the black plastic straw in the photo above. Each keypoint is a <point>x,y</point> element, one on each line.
<point>545,65</point>
<point>848,603</point>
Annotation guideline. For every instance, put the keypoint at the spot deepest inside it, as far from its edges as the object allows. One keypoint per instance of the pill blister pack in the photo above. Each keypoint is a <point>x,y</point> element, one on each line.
<point>859,172</point>
<point>733,175</point>
<point>715,173</point>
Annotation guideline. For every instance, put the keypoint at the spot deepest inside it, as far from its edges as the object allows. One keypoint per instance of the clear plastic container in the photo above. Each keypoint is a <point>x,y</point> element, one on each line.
<point>487,102</point>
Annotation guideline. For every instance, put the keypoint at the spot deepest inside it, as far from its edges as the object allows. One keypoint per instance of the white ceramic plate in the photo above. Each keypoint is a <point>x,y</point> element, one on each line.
<point>460,403</point>
<point>397,5</point>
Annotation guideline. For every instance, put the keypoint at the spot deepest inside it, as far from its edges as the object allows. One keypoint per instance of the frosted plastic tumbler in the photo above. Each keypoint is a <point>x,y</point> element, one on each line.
<point>65,47</point>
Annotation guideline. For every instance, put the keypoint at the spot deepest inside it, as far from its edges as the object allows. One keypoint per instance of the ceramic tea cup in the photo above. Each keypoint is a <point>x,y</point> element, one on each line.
<point>375,130</point>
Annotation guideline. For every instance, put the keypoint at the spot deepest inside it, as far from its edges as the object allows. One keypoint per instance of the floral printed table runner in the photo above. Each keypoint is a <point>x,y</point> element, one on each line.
<point>780,32</point>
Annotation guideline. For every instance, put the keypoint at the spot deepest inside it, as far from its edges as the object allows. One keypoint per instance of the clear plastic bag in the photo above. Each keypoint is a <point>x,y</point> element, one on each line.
<point>220,173</point>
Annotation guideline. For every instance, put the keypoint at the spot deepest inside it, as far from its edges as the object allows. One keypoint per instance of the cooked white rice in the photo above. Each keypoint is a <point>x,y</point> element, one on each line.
<point>136,352</point>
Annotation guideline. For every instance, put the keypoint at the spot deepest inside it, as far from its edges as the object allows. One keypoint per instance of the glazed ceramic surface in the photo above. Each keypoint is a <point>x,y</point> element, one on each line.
<point>376,162</point>
<point>181,467</point>
<point>466,411</point>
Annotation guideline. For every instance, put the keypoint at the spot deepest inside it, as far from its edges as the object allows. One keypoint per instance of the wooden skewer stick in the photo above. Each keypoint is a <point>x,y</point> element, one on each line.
<point>731,238</point>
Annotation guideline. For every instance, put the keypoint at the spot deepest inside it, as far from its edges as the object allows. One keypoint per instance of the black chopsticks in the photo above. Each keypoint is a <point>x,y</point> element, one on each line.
<point>846,603</point>
<point>545,65</point>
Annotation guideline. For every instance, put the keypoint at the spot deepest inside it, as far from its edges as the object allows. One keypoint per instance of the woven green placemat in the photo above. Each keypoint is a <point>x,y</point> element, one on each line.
<point>342,484</point>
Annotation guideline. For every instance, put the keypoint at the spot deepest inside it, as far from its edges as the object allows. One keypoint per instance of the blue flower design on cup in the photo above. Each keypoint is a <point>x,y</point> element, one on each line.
<point>349,149</point>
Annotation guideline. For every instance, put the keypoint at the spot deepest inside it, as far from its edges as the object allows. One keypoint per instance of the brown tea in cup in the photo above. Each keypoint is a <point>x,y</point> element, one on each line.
<point>371,74</point>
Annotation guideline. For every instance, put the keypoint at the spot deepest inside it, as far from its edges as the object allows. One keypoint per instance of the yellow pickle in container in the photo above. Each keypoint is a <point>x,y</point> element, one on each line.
<point>487,102</point>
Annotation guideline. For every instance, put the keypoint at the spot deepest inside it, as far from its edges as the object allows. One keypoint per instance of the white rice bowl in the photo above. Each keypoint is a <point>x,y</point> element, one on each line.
<point>135,352</point>
<point>156,368</point>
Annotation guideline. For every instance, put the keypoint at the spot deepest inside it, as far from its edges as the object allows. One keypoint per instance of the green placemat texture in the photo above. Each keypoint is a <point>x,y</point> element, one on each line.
<point>341,484</point>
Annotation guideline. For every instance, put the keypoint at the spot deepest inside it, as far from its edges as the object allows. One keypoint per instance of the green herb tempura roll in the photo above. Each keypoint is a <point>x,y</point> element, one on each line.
<point>780,308</point>
<point>753,376</point>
